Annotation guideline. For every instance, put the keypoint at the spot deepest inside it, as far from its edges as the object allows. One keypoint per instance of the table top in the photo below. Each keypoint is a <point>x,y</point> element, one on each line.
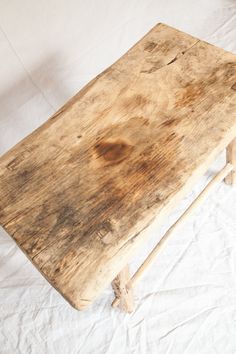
<point>77,193</point>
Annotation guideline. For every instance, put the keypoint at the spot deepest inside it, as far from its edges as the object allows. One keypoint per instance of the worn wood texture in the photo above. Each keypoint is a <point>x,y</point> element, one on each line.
<point>77,193</point>
<point>125,295</point>
<point>231,158</point>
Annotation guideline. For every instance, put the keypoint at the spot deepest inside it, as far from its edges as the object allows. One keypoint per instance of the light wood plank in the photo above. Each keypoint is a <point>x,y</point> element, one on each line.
<point>76,194</point>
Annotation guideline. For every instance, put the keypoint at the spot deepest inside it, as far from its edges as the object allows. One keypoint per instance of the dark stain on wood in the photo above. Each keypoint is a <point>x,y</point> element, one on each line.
<point>171,122</point>
<point>195,90</point>
<point>162,46</point>
<point>154,165</point>
<point>189,95</point>
<point>234,87</point>
<point>170,137</point>
<point>149,46</point>
<point>113,152</point>
<point>58,221</point>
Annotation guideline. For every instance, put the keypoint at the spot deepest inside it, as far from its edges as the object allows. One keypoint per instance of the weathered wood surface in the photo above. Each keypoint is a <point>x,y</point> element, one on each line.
<point>76,194</point>
<point>125,295</point>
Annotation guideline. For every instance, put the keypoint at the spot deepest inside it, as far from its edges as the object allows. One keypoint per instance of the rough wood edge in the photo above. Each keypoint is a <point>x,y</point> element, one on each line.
<point>122,292</point>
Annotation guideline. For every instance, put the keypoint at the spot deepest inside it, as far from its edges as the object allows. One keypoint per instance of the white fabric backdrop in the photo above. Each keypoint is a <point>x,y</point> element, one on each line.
<point>49,49</point>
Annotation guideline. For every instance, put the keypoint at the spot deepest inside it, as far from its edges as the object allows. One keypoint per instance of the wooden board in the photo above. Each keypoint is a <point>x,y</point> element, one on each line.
<point>76,194</point>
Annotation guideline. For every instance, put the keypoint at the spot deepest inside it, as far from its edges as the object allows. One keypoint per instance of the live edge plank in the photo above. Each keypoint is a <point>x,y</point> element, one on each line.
<point>76,194</point>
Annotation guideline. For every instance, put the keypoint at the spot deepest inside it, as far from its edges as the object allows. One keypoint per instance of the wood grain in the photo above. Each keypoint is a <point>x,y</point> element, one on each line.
<point>125,295</point>
<point>76,194</point>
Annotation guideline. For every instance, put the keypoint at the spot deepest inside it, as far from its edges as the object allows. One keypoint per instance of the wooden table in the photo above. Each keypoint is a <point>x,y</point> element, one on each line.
<point>76,194</point>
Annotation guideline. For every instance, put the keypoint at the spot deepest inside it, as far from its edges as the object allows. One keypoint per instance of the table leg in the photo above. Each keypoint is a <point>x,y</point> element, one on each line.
<point>231,158</point>
<point>122,292</point>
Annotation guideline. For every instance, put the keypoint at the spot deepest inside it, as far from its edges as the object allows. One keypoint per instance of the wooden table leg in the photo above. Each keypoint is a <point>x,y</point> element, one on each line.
<point>231,158</point>
<point>122,292</point>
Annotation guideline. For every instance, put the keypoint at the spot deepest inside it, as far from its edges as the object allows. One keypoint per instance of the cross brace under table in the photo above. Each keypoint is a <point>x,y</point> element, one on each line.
<point>123,284</point>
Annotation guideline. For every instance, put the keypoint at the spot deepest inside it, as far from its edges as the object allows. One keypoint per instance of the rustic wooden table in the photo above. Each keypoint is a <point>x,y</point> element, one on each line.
<point>76,194</point>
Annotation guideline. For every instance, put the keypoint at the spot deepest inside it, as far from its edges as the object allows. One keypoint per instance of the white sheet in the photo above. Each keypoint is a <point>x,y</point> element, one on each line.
<point>186,303</point>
